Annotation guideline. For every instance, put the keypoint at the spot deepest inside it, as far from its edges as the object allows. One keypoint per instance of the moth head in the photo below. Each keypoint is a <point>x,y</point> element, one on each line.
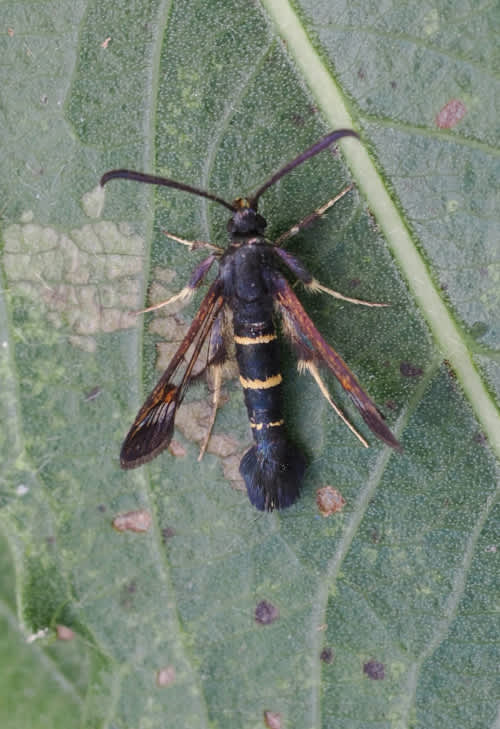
<point>245,218</point>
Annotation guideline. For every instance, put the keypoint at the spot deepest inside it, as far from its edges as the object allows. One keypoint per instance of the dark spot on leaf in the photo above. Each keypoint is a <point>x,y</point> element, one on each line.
<point>361,74</point>
<point>329,500</point>
<point>128,589</point>
<point>451,114</point>
<point>326,655</point>
<point>391,405</point>
<point>354,282</point>
<point>372,220</point>
<point>93,394</point>
<point>409,370</point>
<point>167,533</point>
<point>375,536</point>
<point>374,670</point>
<point>51,540</point>
<point>272,719</point>
<point>480,438</point>
<point>298,120</point>
<point>266,613</point>
<point>450,369</point>
<point>101,508</point>
<point>393,84</point>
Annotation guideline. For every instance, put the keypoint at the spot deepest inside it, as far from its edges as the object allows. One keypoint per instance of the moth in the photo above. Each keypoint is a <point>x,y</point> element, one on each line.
<point>249,283</point>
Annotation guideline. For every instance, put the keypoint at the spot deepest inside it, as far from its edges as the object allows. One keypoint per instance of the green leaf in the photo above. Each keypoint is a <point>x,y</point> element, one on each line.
<point>383,614</point>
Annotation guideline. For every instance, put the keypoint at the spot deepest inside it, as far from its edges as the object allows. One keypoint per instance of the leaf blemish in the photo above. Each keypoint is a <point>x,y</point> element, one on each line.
<point>79,278</point>
<point>451,114</point>
<point>266,613</point>
<point>408,369</point>
<point>272,719</point>
<point>329,500</point>
<point>374,670</point>
<point>165,676</point>
<point>133,521</point>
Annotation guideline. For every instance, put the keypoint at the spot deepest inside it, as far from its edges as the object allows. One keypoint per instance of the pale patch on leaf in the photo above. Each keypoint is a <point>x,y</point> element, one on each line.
<point>177,449</point>
<point>85,279</point>
<point>165,676</point>
<point>133,521</point>
<point>193,419</point>
<point>93,202</point>
<point>39,635</point>
<point>223,446</point>
<point>329,500</point>
<point>272,719</point>
<point>64,633</point>
<point>451,113</point>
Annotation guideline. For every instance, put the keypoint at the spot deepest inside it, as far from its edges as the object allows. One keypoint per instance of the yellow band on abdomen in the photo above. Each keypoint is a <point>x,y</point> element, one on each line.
<point>259,339</point>
<point>272,381</point>
<point>260,426</point>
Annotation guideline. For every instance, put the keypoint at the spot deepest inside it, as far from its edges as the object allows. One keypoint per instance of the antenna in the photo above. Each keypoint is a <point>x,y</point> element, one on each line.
<point>162,181</point>
<point>318,147</point>
<point>254,200</point>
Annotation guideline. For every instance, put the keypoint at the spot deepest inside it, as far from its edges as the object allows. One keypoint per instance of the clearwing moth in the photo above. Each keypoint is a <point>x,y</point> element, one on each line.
<point>250,284</point>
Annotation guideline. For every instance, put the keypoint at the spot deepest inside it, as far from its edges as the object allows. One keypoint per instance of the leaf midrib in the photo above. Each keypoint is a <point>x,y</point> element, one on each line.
<point>448,335</point>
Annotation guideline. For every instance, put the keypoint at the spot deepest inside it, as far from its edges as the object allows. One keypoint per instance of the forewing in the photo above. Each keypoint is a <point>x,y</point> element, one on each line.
<point>310,340</point>
<point>153,426</point>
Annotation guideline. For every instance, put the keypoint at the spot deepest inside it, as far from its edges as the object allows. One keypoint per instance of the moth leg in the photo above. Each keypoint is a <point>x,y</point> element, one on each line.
<point>298,269</point>
<point>187,292</point>
<point>315,286</point>
<point>311,284</point>
<point>313,370</point>
<point>217,381</point>
<point>217,356</point>
<point>309,219</point>
<point>193,244</point>
<point>306,361</point>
